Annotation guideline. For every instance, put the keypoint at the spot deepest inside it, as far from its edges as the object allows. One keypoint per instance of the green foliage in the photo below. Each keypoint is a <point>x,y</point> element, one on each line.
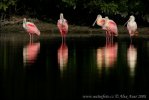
<point>70,2</point>
<point>50,8</point>
<point>5,4</point>
<point>109,8</point>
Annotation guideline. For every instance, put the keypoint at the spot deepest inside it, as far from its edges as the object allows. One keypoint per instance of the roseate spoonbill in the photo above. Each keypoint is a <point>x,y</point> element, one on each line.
<point>99,20</point>
<point>111,29</point>
<point>30,28</point>
<point>62,25</point>
<point>62,56</point>
<point>108,25</point>
<point>132,26</point>
<point>30,52</point>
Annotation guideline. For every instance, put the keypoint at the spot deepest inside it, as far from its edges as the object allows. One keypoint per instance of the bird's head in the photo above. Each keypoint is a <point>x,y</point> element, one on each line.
<point>24,20</point>
<point>105,25</point>
<point>61,16</point>
<point>99,16</point>
<point>106,18</point>
<point>132,18</point>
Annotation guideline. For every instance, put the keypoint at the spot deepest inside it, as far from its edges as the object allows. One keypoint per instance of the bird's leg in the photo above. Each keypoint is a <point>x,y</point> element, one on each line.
<point>30,38</point>
<point>109,37</point>
<point>62,40</point>
<point>106,38</point>
<point>112,38</point>
<point>131,37</point>
<point>130,40</point>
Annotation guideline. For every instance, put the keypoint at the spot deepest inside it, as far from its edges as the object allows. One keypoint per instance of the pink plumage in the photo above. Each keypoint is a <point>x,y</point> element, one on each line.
<point>62,25</point>
<point>111,27</point>
<point>63,28</point>
<point>31,28</point>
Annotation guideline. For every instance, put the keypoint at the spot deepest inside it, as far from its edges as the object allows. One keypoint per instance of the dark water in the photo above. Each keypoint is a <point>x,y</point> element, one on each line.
<point>79,68</point>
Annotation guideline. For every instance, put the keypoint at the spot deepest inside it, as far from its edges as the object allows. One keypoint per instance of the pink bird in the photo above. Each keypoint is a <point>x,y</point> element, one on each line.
<point>30,28</point>
<point>108,25</point>
<point>62,25</point>
<point>111,29</point>
<point>132,27</point>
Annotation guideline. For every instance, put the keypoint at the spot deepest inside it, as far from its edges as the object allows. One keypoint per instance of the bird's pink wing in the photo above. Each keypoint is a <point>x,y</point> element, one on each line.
<point>58,24</point>
<point>31,25</point>
<point>113,27</point>
<point>112,23</point>
<point>32,28</point>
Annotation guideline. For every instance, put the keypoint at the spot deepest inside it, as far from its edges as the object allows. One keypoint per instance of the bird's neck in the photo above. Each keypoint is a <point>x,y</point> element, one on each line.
<point>24,24</point>
<point>99,18</point>
<point>132,21</point>
<point>62,21</point>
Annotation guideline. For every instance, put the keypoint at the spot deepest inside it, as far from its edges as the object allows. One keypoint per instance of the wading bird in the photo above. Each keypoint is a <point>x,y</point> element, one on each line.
<point>132,26</point>
<point>62,25</point>
<point>108,25</point>
<point>111,29</point>
<point>30,28</point>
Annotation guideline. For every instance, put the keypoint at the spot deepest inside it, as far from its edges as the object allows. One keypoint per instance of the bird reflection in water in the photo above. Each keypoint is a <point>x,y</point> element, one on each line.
<point>62,56</point>
<point>106,56</point>
<point>30,53</point>
<point>132,58</point>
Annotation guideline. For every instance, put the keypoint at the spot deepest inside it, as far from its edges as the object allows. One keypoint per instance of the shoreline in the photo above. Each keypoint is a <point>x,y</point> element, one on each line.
<point>50,30</point>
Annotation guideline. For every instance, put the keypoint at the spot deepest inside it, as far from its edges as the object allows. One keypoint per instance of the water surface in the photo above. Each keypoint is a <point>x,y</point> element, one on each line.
<point>78,68</point>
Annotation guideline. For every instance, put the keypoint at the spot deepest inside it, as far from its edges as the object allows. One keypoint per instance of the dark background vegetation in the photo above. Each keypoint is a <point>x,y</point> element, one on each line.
<point>79,12</point>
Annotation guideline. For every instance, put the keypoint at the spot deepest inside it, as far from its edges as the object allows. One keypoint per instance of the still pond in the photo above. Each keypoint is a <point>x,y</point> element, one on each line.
<point>81,67</point>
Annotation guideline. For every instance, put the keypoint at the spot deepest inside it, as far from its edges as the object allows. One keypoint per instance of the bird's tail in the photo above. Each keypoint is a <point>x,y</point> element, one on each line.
<point>38,32</point>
